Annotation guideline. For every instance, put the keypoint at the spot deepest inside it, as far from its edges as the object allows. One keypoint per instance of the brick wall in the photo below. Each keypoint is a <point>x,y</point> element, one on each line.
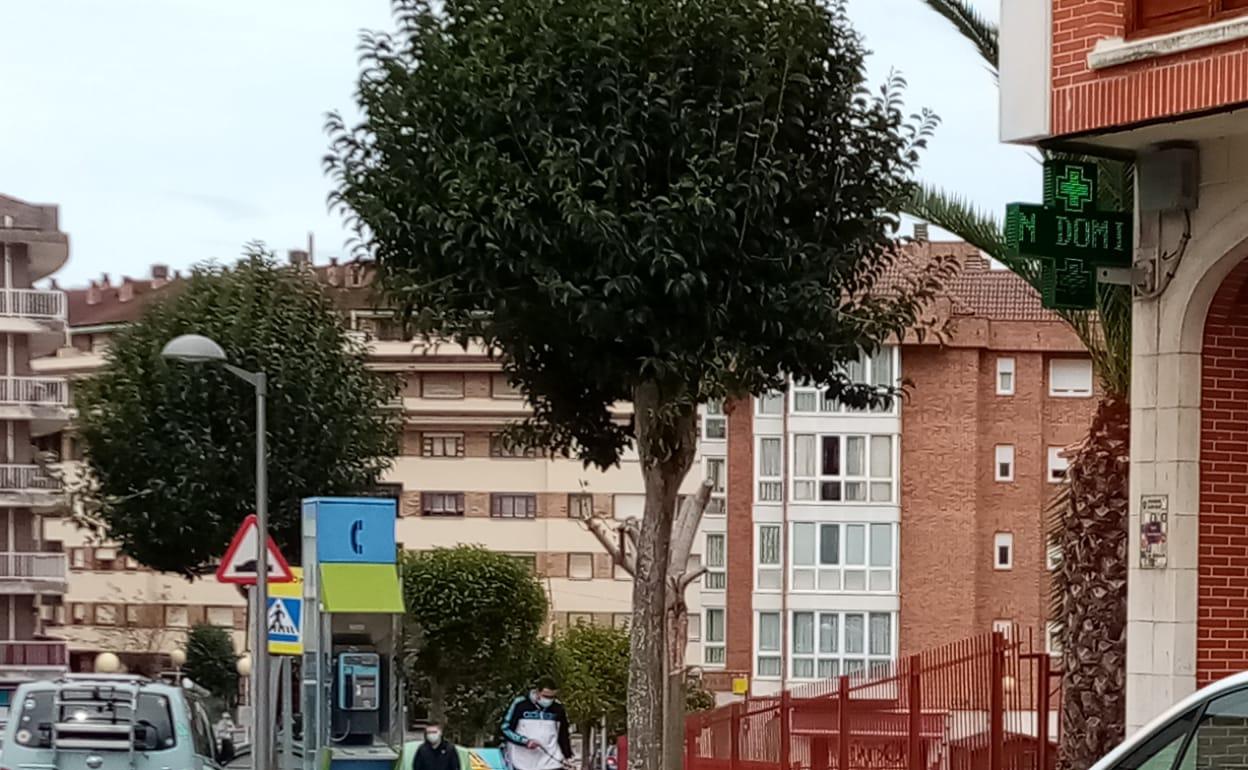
<point>1222,615</point>
<point>1085,100</point>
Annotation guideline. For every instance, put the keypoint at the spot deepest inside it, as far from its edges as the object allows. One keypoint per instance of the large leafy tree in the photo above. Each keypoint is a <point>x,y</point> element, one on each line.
<point>657,202</point>
<point>1089,515</point>
<point>170,447</point>
<point>474,622</point>
<point>211,662</point>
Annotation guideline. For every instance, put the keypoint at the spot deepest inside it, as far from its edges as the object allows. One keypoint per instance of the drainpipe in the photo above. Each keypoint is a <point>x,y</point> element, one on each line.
<point>786,448</point>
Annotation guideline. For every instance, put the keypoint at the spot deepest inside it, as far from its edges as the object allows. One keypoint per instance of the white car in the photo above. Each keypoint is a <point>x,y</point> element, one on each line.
<point>1208,730</point>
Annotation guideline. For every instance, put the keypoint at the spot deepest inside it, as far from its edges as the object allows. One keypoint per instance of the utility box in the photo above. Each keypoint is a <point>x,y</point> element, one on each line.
<point>1168,179</point>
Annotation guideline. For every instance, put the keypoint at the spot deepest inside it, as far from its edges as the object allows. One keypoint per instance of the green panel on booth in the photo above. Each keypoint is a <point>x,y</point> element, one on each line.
<point>361,588</point>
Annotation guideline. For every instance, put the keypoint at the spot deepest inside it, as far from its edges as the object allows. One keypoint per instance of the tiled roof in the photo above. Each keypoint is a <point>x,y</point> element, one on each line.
<point>976,290</point>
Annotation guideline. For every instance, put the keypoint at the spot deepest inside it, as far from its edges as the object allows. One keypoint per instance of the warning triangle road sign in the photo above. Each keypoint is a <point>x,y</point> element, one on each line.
<point>239,563</point>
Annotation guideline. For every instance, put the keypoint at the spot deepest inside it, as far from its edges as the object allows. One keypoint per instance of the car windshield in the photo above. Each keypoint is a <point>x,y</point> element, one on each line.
<point>153,722</point>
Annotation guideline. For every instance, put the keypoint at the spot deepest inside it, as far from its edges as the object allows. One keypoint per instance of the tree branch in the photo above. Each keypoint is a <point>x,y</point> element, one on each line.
<point>685,528</point>
<point>607,535</point>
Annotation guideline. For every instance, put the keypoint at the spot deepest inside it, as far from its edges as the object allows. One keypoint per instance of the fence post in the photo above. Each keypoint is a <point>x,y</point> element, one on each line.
<point>996,714</point>
<point>786,730</point>
<point>1044,679</point>
<point>693,728</point>
<point>842,725</point>
<point>820,758</point>
<point>734,725</point>
<point>916,714</point>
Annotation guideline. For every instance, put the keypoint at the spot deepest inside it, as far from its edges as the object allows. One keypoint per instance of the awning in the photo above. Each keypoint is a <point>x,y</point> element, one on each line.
<point>363,588</point>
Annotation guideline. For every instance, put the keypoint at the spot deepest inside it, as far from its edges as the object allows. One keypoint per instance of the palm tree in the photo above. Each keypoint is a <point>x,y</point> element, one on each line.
<point>1088,517</point>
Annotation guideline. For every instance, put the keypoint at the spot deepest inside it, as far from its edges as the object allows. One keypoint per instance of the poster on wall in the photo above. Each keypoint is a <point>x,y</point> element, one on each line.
<point>1154,510</point>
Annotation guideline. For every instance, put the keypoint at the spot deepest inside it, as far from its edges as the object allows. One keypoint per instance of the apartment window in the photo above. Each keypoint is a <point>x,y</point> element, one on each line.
<point>1149,17</point>
<point>441,503</point>
<point>222,617</point>
<point>713,638</point>
<point>1004,467</point>
<point>695,628</point>
<point>1057,465</point>
<point>78,558</point>
<point>441,445</point>
<point>1053,558</point>
<point>513,506</point>
<point>715,473</point>
<point>621,620</point>
<point>133,616</point>
<point>843,468</point>
<point>580,619</point>
<point>768,661</point>
<point>176,616</point>
<point>79,613</point>
<point>769,576</point>
<point>501,388</point>
<point>878,370</point>
<point>771,404</point>
<point>842,557</point>
<point>770,479</point>
<point>1053,639</point>
<point>500,446</point>
<point>1070,377</point>
<point>526,560</point>
<point>716,562</point>
<point>580,506</point>
<point>105,615</point>
<point>715,423</point>
<point>825,645</point>
<point>442,385</point>
<point>580,566</point>
<point>1003,550</point>
<point>1005,376</point>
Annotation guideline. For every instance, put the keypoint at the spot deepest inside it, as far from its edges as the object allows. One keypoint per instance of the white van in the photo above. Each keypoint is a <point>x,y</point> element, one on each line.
<point>1208,729</point>
<point>107,722</point>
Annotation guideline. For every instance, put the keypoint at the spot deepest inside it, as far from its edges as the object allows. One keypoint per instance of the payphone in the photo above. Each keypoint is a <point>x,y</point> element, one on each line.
<point>357,698</point>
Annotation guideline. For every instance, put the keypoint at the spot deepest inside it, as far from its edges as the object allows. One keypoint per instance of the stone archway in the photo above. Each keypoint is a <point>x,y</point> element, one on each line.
<point>1222,608</point>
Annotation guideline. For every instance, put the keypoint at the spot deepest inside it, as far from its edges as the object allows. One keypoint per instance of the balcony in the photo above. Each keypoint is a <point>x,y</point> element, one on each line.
<point>28,486</point>
<point>33,572</point>
<point>39,314</point>
<point>34,655</point>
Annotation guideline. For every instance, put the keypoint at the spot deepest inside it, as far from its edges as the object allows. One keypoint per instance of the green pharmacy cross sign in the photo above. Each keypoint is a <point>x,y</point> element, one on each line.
<point>1069,236</point>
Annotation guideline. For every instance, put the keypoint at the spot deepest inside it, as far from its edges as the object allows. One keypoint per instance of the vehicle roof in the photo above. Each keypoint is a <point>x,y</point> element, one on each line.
<point>80,680</point>
<point>1232,682</point>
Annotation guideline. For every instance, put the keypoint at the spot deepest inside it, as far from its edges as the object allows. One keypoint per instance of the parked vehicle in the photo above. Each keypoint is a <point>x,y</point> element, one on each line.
<point>111,722</point>
<point>1208,729</point>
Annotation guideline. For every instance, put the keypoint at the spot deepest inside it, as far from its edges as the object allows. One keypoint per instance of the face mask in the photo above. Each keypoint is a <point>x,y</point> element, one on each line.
<point>545,702</point>
<point>433,738</point>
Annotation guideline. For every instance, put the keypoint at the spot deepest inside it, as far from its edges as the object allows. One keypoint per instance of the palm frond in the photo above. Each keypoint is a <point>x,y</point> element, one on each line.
<point>982,33</point>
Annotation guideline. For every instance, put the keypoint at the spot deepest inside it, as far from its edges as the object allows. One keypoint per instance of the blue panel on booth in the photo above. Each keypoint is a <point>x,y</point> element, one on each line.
<point>353,529</point>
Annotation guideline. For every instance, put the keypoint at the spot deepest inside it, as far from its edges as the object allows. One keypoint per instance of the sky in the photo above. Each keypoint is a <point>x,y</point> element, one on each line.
<point>175,131</point>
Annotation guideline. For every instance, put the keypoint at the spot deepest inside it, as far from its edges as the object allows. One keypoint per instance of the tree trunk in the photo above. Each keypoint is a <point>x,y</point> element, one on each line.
<point>437,702</point>
<point>674,693</point>
<point>587,746</point>
<point>666,446</point>
<point>1090,589</point>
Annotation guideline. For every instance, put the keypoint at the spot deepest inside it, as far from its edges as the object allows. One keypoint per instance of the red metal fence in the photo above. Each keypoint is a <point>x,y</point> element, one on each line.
<point>986,703</point>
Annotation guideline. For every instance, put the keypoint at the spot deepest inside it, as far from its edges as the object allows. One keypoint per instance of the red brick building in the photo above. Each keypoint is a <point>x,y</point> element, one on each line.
<point>1164,83</point>
<point>911,527</point>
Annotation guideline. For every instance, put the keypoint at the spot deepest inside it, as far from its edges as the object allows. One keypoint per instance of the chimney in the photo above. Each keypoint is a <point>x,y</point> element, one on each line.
<point>920,232</point>
<point>53,285</point>
<point>104,282</point>
<point>299,258</point>
<point>160,275</point>
<point>975,260</point>
<point>332,273</point>
<point>93,294</point>
<point>125,292</point>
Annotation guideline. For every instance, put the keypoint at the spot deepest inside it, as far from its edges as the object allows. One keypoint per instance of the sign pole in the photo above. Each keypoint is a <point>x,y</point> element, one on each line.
<point>263,745</point>
<point>288,755</point>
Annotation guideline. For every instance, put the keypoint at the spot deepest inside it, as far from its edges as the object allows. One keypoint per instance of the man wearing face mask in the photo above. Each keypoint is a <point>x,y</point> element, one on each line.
<point>435,753</point>
<point>536,730</point>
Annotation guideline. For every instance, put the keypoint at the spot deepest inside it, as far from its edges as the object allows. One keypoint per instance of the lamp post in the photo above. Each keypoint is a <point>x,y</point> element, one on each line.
<point>197,349</point>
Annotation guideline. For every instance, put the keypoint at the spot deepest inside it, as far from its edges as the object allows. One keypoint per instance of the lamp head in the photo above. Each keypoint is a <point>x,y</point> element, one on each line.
<point>193,348</point>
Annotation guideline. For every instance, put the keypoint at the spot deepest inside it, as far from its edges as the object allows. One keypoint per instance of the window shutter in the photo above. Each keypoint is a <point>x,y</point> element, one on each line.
<point>1166,14</point>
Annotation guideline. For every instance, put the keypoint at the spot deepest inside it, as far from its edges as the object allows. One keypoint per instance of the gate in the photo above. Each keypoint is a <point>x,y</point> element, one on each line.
<point>986,703</point>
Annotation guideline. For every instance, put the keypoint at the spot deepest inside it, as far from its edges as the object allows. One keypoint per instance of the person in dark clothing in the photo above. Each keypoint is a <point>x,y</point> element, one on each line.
<point>436,753</point>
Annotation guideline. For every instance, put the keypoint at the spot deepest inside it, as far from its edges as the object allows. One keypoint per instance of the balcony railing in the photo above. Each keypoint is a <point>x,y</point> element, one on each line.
<point>34,654</point>
<point>27,477</point>
<point>33,303</point>
<point>33,566</point>
<point>34,391</point>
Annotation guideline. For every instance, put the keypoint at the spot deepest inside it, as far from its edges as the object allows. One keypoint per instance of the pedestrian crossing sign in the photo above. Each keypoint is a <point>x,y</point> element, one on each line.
<point>285,616</point>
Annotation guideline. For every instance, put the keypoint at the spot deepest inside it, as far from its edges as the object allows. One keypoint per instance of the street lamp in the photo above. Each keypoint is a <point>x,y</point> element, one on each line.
<point>198,349</point>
